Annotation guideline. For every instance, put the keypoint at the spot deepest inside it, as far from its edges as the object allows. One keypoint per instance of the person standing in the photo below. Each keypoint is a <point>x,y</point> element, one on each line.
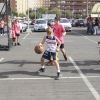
<point>59,32</point>
<point>2,27</point>
<point>17,32</point>
<point>89,21</point>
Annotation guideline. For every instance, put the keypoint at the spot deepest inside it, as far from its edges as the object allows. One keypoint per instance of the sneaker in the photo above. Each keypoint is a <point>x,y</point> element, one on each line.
<point>1,34</point>
<point>15,44</point>
<point>65,57</point>
<point>18,43</point>
<point>41,70</point>
<point>4,34</point>
<point>50,63</point>
<point>59,75</point>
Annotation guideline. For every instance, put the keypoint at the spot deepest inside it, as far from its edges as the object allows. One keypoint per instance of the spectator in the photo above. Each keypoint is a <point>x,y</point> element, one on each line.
<point>89,21</point>
<point>96,26</point>
<point>17,32</point>
<point>2,27</point>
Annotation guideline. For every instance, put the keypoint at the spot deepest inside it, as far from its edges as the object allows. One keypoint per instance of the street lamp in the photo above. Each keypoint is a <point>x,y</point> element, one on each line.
<point>73,10</point>
<point>28,29</point>
<point>87,7</point>
<point>65,12</point>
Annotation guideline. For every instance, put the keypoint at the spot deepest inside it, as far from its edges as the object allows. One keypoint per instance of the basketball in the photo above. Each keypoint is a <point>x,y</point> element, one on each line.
<point>39,49</point>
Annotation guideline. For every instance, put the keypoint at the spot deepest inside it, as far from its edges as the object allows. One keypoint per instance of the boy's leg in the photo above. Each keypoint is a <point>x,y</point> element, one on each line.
<point>57,56</point>
<point>42,69</point>
<point>58,70</point>
<point>63,51</point>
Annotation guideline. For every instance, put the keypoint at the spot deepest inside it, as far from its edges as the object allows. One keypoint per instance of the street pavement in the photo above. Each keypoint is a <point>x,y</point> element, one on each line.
<point>80,73</point>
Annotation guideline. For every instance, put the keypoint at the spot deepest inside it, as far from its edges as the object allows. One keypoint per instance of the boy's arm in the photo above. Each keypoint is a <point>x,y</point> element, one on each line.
<point>63,31</point>
<point>42,42</point>
<point>58,41</point>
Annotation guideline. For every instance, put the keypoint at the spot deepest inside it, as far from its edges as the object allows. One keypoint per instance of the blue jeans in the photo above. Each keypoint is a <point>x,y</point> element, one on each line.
<point>2,31</point>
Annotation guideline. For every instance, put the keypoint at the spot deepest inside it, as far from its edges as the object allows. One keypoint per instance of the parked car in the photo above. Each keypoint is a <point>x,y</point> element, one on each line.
<point>32,22</point>
<point>40,25</point>
<point>51,22</point>
<point>66,23</point>
<point>23,27</point>
<point>80,22</point>
<point>26,21</point>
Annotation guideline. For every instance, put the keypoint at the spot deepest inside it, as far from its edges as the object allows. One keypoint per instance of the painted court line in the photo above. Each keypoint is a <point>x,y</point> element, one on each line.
<point>85,37</point>
<point>1,59</point>
<point>89,85</point>
<point>26,35</point>
<point>46,78</point>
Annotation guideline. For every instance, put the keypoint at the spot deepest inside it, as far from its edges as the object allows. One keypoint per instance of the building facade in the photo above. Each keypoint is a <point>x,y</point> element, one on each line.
<point>82,7</point>
<point>21,5</point>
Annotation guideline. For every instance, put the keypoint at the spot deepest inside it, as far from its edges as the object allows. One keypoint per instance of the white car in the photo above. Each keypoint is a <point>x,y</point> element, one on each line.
<point>66,23</point>
<point>23,27</point>
<point>26,21</point>
<point>40,25</point>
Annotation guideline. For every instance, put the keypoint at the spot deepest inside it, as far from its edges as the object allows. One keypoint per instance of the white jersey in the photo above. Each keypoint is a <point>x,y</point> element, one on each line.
<point>51,44</point>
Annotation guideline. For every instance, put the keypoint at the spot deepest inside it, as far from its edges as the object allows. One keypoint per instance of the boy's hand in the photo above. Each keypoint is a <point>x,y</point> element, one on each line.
<point>64,33</point>
<point>98,42</point>
<point>39,44</point>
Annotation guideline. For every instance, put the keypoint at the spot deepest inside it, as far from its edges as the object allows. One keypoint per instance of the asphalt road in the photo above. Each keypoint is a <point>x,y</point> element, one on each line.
<point>81,73</point>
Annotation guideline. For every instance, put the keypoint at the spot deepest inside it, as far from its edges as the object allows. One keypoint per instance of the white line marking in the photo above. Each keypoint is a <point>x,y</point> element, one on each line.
<point>85,37</point>
<point>46,78</point>
<point>26,35</point>
<point>1,59</point>
<point>89,85</point>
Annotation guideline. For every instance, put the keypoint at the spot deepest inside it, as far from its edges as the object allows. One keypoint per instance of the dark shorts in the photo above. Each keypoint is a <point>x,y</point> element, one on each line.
<point>47,55</point>
<point>62,46</point>
<point>17,34</point>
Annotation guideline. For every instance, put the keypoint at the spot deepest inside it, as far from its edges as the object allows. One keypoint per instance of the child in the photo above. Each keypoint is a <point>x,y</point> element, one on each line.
<point>17,32</point>
<point>52,47</point>
<point>59,32</point>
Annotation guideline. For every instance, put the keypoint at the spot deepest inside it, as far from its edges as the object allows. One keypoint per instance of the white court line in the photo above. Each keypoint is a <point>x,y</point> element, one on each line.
<point>89,85</point>
<point>85,37</point>
<point>1,59</point>
<point>26,35</point>
<point>45,78</point>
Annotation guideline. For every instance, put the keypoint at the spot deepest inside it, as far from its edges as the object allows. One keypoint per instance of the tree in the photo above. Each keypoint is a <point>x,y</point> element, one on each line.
<point>68,13</point>
<point>22,15</point>
<point>32,15</point>
<point>56,11</point>
<point>43,10</point>
<point>78,16</point>
<point>15,13</point>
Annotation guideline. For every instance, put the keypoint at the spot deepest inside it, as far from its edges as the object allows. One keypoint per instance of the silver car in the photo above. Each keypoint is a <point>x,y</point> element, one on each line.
<point>66,23</point>
<point>40,25</point>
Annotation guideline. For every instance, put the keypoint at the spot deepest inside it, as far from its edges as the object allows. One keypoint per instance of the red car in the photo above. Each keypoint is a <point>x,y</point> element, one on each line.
<point>32,22</point>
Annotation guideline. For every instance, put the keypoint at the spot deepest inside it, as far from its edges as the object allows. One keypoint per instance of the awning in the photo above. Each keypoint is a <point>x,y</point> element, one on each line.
<point>96,10</point>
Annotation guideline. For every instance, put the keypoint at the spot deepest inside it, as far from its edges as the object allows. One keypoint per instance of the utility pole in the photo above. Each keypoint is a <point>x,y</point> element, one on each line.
<point>87,7</point>
<point>28,29</point>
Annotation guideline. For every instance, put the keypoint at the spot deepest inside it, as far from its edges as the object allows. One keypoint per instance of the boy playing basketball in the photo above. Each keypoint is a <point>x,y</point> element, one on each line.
<point>51,50</point>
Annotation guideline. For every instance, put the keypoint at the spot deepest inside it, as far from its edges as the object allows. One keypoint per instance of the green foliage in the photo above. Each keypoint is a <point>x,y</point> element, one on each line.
<point>55,11</point>
<point>43,10</point>
<point>68,14</point>
<point>32,15</point>
<point>15,13</point>
<point>22,15</point>
<point>78,16</point>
